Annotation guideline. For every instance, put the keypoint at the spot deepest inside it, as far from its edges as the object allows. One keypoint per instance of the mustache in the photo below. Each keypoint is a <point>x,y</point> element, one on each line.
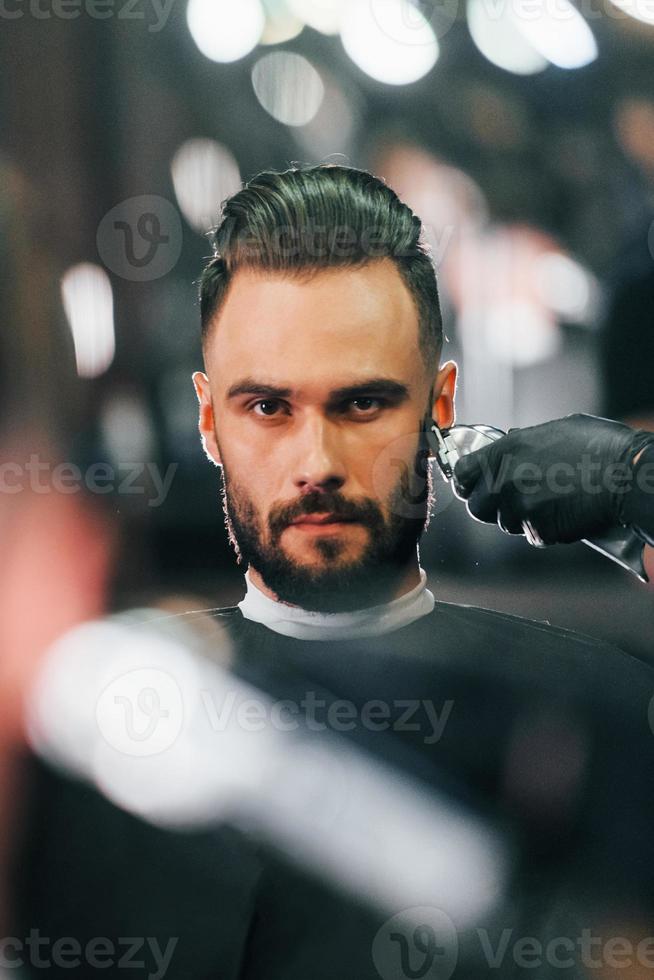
<point>324,502</point>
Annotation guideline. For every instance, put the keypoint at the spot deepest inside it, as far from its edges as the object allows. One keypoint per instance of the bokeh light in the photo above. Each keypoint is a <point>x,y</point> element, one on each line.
<point>637,9</point>
<point>569,289</point>
<point>500,40</point>
<point>89,306</point>
<point>282,24</point>
<point>224,31</point>
<point>560,35</point>
<point>288,87</point>
<point>633,121</point>
<point>390,40</point>
<point>204,173</point>
<point>126,427</point>
<point>501,307</point>
<point>449,202</point>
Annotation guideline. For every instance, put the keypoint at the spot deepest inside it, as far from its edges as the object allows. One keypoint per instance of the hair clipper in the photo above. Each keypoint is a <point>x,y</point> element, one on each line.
<point>620,544</point>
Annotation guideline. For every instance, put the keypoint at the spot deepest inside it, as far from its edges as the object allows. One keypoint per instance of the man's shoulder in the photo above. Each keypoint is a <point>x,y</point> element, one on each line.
<point>541,648</point>
<point>170,619</point>
<point>485,618</point>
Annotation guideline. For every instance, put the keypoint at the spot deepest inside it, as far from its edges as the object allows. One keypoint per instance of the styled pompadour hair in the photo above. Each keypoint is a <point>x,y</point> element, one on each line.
<point>306,219</point>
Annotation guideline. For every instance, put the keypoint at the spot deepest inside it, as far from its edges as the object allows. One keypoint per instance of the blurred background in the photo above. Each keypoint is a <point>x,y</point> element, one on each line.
<point>522,133</point>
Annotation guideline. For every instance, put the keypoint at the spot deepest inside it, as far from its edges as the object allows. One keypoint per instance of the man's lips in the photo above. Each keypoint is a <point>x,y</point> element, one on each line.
<point>319,519</point>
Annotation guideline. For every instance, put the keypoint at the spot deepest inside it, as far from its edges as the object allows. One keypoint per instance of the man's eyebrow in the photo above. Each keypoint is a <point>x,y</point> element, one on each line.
<point>394,390</point>
<point>248,386</point>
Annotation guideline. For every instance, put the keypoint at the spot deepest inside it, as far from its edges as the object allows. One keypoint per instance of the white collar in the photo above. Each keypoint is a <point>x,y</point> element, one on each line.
<point>305,625</point>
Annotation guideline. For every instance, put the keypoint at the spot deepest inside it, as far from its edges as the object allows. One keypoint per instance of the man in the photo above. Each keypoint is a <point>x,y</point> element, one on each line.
<point>323,378</point>
<point>322,337</point>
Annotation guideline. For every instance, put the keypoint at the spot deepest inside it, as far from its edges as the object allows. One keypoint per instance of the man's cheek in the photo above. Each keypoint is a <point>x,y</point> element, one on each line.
<point>394,466</point>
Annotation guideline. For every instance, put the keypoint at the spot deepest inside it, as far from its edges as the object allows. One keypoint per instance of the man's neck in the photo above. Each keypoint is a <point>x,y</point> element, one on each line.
<point>407,579</point>
<point>387,614</point>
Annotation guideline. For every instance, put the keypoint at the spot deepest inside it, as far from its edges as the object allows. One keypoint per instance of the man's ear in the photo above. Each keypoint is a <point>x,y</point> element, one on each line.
<point>206,422</point>
<point>444,392</point>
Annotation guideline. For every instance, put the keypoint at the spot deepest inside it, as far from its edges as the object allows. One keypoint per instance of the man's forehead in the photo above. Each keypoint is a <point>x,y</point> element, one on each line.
<point>354,320</point>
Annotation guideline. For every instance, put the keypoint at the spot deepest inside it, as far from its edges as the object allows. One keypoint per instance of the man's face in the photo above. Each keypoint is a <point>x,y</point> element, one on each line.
<point>313,403</point>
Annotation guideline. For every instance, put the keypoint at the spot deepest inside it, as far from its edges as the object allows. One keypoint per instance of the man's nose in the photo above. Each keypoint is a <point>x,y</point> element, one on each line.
<point>319,464</point>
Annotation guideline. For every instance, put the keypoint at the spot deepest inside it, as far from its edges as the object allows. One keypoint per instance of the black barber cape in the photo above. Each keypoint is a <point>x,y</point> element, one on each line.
<point>548,730</point>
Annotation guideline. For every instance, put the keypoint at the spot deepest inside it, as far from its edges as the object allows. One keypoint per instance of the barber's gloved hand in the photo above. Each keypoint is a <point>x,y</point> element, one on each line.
<point>569,478</point>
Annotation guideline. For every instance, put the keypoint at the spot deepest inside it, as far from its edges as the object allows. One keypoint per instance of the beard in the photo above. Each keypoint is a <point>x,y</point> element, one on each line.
<point>339,584</point>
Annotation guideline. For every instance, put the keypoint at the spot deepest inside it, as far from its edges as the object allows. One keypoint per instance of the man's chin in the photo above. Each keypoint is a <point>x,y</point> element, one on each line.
<point>322,586</point>
<point>319,566</point>
<point>329,555</point>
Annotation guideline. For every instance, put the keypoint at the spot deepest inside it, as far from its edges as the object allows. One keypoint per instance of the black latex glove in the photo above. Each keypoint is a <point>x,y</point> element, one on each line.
<point>570,478</point>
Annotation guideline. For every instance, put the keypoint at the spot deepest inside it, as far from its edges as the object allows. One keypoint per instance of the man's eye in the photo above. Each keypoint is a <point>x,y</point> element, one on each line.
<point>266,408</point>
<point>365,406</point>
